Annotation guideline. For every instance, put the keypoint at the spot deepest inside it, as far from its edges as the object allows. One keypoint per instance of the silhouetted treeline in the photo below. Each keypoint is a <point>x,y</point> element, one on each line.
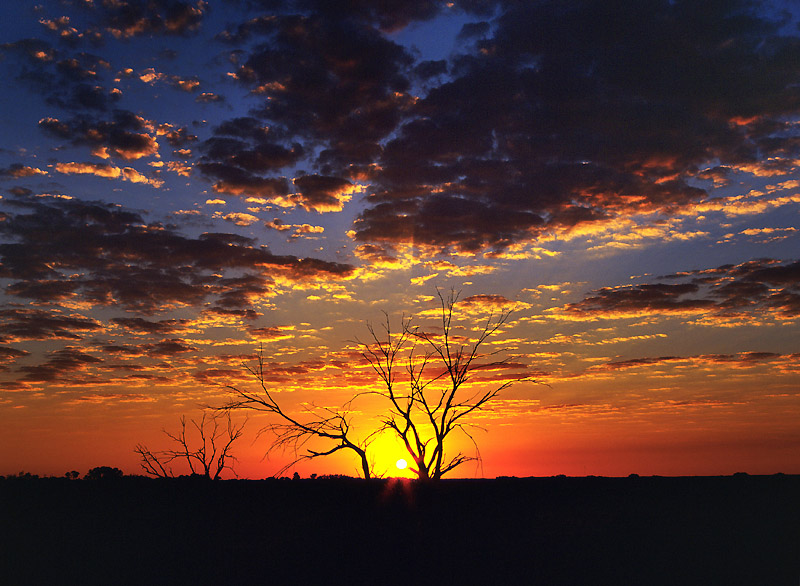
<point>649,530</point>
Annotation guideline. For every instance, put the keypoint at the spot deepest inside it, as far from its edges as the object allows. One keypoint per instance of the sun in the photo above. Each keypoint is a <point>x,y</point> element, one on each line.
<point>401,464</point>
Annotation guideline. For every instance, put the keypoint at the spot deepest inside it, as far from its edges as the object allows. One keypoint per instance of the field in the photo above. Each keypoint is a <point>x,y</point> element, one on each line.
<point>649,530</point>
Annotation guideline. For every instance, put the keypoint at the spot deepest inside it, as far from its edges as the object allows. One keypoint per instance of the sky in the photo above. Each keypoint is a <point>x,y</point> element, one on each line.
<point>184,183</point>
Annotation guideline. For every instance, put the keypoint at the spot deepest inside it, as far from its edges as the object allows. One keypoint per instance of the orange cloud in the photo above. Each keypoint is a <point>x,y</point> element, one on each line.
<point>107,171</point>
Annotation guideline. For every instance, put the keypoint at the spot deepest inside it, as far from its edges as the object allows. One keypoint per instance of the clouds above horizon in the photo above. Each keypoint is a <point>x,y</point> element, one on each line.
<point>545,119</point>
<point>181,181</point>
<point>754,289</point>
<point>60,250</point>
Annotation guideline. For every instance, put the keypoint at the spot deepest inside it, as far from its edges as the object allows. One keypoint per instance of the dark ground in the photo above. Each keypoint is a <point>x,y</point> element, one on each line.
<point>626,531</point>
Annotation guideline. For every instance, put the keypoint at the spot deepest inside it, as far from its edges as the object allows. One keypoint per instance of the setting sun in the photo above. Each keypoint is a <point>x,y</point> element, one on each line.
<point>401,464</point>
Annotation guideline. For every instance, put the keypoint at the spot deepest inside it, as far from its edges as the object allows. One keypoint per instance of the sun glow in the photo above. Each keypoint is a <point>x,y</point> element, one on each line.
<point>401,464</point>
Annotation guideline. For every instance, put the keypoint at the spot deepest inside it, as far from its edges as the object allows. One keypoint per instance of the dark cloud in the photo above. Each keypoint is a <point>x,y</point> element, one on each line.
<point>486,301</point>
<point>556,115</point>
<point>269,333</point>
<point>177,137</point>
<point>648,298</point>
<point>110,256</point>
<point>239,154</point>
<point>428,69</point>
<point>72,81</point>
<point>122,350</point>
<point>327,78</point>
<point>35,51</point>
<point>474,29</point>
<point>130,18</point>
<point>62,27</point>
<point>761,286</point>
<point>741,360</point>
<point>37,324</point>
<point>441,220</point>
<point>246,314</point>
<point>236,181</point>
<point>164,326</point>
<point>60,362</point>
<point>575,112</point>
<point>209,98</point>
<point>18,170</point>
<point>126,135</point>
<point>165,348</point>
<point>9,356</point>
<point>320,193</point>
<point>388,15</point>
<point>83,96</point>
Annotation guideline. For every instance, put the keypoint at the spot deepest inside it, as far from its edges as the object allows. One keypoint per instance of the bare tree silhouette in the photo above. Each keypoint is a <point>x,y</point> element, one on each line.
<point>295,432</point>
<point>437,401</point>
<point>208,455</point>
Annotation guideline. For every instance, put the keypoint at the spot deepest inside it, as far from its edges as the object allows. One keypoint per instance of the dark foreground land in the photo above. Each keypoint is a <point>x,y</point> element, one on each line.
<point>720,530</point>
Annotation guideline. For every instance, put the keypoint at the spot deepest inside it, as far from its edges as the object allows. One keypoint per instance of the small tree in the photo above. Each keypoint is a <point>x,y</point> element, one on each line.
<point>437,402</point>
<point>294,432</point>
<point>209,455</point>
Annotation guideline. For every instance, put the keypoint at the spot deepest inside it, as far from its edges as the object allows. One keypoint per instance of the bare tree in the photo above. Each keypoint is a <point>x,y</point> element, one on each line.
<point>424,384</point>
<point>438,401</point>
<point>330,426</point>
<point>208,455</point>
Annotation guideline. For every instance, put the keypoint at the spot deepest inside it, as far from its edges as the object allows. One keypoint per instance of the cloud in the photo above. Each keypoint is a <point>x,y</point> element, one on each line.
<point>378,256</point>
<point>298,230</point>
<point>486,302</point>
<point>60,362</point>
<point>179,168</point>
<point>107,255</point>
<point>18,324</point>
<point>514,138</point>
<point>18,171</point>
<point>127,135</point>
<point>108,172</point>
<point>238,218</point>
<point>68,80</point>
<point>138,324</point>
<point>322,193</point>
<point>176,137</point>
<point>67,33</point>
<point>131,18</point>
<point>761,287</point>
<point>10,356</point>
<point>335,65</point>
<point>240,153</point>
<point>167,348</point>
<point>209,98</point>
<point>582,113</point>
<point>272,334</point>
<point>740,360</point>
<point>151,76</point>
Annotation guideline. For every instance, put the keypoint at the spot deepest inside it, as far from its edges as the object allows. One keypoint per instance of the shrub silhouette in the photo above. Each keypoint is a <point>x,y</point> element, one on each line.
<point>103,473</point>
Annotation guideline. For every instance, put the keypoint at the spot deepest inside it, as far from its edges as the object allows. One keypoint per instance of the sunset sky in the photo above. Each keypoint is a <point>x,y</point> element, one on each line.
<point>183,182</point>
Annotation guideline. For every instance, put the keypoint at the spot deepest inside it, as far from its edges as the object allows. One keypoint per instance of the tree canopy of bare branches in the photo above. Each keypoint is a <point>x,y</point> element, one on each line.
<point>425,390</point>
<point>208,454</point>
<point>294,432</point>
<point>425,379</point>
